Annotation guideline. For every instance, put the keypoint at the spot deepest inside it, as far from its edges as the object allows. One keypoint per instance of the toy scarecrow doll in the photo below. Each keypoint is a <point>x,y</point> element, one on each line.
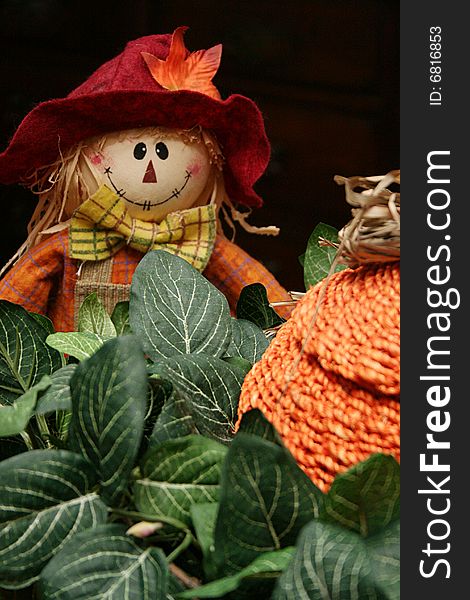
<point>143,155</point>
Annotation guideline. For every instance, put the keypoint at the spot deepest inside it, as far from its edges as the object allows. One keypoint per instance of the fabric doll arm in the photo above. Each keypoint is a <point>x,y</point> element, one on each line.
<point>31,281</point>
<point>230,269</point>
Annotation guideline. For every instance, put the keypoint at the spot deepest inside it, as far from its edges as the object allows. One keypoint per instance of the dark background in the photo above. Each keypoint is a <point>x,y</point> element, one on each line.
<point>324,73</point>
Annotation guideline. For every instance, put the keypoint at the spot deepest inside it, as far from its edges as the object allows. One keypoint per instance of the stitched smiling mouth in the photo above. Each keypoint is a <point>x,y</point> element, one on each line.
<point>147,205</point>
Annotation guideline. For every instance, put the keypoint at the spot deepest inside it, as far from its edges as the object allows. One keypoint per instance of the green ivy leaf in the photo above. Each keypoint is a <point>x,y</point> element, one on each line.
<point>120,318</point>
<point>58,396</point>
<point>24,355</point>
<point>177,474</point>
<point>105,563</point>
<point>333,562</point>
<point>248,341</point>
<point>253,305</point>
<point>318,259</point>
<point>109,396</point>
<point>175,310</point>
<point>15,417</point>
<point>93,318</point>
<point>269,564</point>
<point>265,500</point>
<point>76,344</point>
<point>47,498</point>
<point>212,387</point>
<point>366,498</point>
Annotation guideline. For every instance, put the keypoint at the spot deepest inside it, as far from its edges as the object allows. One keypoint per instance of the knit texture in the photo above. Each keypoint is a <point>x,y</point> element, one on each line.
<point>336,401</point>
<point>44,279</point>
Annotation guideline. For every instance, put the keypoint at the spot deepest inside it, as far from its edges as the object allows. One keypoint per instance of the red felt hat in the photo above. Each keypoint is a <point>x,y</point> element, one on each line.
<point>155,81</point>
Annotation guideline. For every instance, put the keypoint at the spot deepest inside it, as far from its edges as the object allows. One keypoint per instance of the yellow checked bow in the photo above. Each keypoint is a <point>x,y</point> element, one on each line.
<point>102,225</point>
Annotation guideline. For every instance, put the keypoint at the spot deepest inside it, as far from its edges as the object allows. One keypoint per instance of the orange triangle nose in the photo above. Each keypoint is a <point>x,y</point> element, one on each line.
<point>150,175</point>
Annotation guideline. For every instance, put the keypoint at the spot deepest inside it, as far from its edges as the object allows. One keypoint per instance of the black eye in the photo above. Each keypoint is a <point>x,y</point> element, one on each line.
<point>140,151</point>
<point>162,150</point>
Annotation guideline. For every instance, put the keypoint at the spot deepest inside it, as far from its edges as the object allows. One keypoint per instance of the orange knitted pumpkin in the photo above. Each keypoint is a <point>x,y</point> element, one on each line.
<point>332,390</point>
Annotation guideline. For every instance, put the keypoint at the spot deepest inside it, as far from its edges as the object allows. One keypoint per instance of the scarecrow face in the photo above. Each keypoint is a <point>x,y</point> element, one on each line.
<point>155,172</point>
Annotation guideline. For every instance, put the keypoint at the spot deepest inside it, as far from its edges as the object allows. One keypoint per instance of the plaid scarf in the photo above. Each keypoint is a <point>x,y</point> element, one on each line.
<point>102,225</point>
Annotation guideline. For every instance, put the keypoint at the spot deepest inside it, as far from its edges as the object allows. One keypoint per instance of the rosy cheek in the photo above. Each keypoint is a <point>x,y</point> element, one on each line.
<point>104,162</point>
<point>96,159</point>
<point>194,168</point>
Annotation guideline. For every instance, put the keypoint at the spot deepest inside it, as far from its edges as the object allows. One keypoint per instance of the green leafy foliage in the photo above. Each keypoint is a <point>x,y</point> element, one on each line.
<point>174,309</point>
<point>383,550</point>
<point>318,259</point>
<point>47,497</point>
<point>367,497</point>
<point>105,563</point>
<point>333,562</point>
<point>93,318</point>
<point>120,318</point>
<point>253,305</point>
<point>213,387</point>
<point>174,421</point>
<point>15,417</point>
<point>95,326</point>
<point>24,355</point>
<point>57,396</point>
<point>241,363</point>
<point>248,341</point>
<point>178,474</point>
<point>255,423</point>
<point>76,344</point>
<point>150,440</point>
<point>268,564</point>
<point>265,500</point>
<point>357,536</point>
<point>159,393</point>
<point>45,322</point>
<point>203,517</point>
<point>109,394</point>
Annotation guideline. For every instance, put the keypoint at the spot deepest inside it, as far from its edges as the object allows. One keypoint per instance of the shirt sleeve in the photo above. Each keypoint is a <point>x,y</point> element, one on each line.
<point>32,280</point>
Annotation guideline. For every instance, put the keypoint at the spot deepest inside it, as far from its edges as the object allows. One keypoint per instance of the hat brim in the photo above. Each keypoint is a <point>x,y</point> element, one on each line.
<point>54,126</point>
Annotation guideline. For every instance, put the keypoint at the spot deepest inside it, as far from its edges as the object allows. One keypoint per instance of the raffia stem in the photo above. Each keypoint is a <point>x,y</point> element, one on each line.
<point>271,332</point>
<point>295,297</point>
